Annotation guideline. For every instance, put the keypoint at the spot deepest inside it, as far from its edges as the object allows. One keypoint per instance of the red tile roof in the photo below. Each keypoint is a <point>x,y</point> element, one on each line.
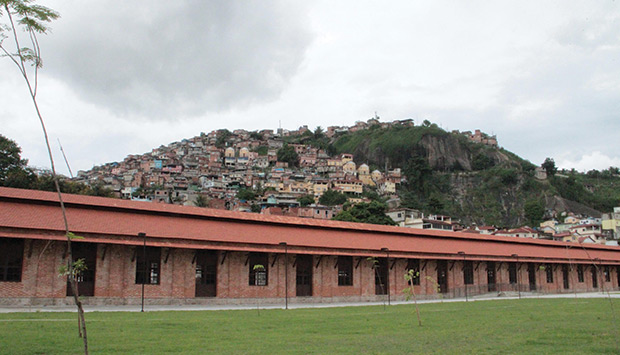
<point>35,214</point>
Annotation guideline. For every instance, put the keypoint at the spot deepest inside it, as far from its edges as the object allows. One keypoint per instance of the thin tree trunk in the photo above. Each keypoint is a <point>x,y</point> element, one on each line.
<point>32,92</point>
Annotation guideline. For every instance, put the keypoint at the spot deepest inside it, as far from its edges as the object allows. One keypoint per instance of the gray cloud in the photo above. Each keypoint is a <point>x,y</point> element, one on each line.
<point>172,58</point>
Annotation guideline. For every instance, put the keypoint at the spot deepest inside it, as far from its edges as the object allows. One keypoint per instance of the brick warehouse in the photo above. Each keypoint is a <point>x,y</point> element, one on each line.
<point>203,256</point>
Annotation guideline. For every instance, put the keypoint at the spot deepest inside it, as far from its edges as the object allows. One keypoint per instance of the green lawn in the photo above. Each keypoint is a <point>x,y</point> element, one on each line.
<point>532,326</point>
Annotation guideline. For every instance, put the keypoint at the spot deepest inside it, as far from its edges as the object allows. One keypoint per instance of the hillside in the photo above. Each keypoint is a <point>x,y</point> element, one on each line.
<point>464,175</point>
<point>448,173</point>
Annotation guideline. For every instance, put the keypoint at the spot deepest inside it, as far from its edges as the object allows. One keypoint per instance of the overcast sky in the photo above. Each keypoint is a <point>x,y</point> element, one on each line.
<point>124,77</point>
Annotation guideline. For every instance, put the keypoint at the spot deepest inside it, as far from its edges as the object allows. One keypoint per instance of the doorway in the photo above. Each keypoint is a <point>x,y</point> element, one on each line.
<point>206,273</point>
<point>304,275</point>
<point>442,275</point>
<point>381,275</point>
<point>491,283</point>
<point>86,278</point>
<point>565,275</point>
<point>531,270</point>
<point>594,277</point>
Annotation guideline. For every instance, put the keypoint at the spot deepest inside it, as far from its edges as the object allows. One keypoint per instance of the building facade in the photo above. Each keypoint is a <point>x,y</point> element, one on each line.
<point>189,255</point>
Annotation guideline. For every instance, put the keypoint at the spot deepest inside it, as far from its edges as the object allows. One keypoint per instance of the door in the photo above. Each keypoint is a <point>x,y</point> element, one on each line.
<point>206,273</point>
<point>442,275</point>
<point>86,278</point>
<point>491,284</point>
<point>594,277</point>
<point>381,275</point>
<point>531,270</point>
<point>304,275</point>
<point>565,277</point>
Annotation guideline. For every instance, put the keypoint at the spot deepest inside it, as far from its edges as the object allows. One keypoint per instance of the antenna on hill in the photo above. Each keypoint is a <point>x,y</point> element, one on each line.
<point>65,157</point>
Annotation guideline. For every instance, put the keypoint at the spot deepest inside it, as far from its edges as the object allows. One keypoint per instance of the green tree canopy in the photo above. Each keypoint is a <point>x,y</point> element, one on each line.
<point>373,212</point>
<point>332,198</point>
<point>305,200</point>
<point>13,169</point>
<point>246,194</point>
<point>417,172</point>
<point>287,154</point>
<point>549,166</point>
<point>534,210</point>
<point>201,201</point>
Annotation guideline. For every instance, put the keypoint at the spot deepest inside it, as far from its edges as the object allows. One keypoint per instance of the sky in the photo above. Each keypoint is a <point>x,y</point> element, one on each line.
<point>124,77</point>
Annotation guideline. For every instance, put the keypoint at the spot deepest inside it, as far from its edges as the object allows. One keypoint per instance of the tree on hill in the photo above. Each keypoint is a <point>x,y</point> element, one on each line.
<point>417,172</point>
<point>482,161</point>
<point>222,137</point>
<point>318,133</point>
<point>201,201</point>
<point>287,154</point>
<point>534,210</point>
<point>305,200</point>
<point>246,194</point>
<point>373,212</point>
<point>332,198</point>
<point>549,166</point>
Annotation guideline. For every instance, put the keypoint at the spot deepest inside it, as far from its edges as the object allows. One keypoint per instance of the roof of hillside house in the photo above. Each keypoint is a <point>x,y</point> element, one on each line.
<point>36,215</point>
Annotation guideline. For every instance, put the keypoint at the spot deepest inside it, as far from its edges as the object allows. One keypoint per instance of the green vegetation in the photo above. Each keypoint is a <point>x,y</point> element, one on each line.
<point>223,135</point>
<point>600,190</point>
<point>14,172</point>
<point>305,200</point>
<point>549,166</point>
<point>287,154</point>
<point>201,201</point>
<point>528,326</point>
<point>332,198</point>
<point>246,194</point>
<point>397,144</point>
<point>373,212</point>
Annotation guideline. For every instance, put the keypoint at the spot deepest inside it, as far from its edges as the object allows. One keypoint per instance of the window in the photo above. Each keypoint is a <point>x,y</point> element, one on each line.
<point>414,264</point>
<point>259,264</point>
<point>549,272</point>
<point>345,270</point>
<point>11,258</point>
<point>149,263</point>
<point>468,272</point>
<point>512,273</point>
<point>580,277</point>
<point>607,273</point>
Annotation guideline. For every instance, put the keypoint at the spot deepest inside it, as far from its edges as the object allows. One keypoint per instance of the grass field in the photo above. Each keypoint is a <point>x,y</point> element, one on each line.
<point>532,326</point>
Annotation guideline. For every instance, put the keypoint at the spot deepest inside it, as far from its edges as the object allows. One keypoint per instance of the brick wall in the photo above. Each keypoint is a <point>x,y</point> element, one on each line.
<point>116,274</point>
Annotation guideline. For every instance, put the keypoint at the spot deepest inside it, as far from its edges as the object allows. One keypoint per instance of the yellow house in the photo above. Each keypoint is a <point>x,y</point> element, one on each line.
<point>363,173</point>
<point>319,187</point>
<point>376,175</point>
<point>349,168</point>
<point>345,158</point>
<point>611,223</point>
<point>387,186</point>
<point>349,186</point>
<point>229,152</point>
<point>244,153</point>
<point>337,163</point>
<point>300,186</point>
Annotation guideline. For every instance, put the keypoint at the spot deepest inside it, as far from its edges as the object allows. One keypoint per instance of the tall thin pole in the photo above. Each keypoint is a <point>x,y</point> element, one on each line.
<point>143,235</point>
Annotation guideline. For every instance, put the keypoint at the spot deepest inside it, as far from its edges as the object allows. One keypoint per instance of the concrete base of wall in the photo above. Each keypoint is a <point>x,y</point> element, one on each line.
<point>214,301</point>
<point>113,301</point>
